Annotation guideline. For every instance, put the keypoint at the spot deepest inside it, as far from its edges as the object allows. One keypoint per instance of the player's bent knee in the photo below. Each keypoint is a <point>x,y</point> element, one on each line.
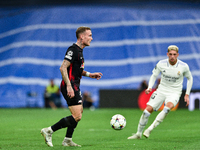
<point>78,118</point>
<point>170,105</point>
<point>149,109</point>
<point>166,109</point>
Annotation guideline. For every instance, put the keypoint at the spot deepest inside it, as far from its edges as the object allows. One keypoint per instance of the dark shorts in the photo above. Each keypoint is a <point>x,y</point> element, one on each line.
<point>76,100</point>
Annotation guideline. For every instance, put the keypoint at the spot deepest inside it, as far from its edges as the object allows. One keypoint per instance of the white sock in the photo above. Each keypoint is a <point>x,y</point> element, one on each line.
<point>160,117</point>
<point>143,121</point>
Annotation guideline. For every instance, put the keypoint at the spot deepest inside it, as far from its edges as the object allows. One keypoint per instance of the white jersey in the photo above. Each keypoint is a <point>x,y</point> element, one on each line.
<point>171,76</point>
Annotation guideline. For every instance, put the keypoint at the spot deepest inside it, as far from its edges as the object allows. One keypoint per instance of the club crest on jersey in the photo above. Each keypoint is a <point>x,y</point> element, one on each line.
<point>179,73</point>
<point>82,65</point>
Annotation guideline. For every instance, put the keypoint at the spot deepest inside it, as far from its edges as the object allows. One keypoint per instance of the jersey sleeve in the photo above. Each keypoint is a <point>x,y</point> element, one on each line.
<point>70,55</point>
<point>187,72</point>
<point>156,70</point>
<point>155,73</point>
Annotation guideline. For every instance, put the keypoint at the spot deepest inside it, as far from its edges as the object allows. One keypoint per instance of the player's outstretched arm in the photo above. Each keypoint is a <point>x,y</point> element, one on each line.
<point>96,75</point>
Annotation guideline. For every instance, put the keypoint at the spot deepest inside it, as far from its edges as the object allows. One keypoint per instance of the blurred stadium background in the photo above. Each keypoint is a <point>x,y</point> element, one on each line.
<point>130,37</point>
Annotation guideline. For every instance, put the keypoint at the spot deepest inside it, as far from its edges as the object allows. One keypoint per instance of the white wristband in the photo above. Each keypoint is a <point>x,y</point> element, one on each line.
<point>87,74</point>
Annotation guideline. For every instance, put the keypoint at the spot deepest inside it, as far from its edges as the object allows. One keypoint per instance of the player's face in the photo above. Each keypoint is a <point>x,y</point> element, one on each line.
<point>87,37</point>
<point>172,57</point>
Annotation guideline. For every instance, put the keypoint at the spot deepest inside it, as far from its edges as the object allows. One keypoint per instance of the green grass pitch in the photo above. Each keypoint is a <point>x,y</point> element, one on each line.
<point>20,129</point>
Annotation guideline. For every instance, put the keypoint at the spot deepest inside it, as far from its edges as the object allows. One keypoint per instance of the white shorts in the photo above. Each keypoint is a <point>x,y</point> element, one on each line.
<point>157,98</point>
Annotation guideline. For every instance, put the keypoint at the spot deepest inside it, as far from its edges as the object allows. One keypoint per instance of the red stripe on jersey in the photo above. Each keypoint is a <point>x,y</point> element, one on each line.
<point>75,87</point>
<point>62,84</point>
<point>71,76</point>
<point>70,72</point>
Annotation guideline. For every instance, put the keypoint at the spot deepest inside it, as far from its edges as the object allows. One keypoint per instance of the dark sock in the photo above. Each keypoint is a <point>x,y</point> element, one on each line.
<point>63,123</point>
<point>70,129</point>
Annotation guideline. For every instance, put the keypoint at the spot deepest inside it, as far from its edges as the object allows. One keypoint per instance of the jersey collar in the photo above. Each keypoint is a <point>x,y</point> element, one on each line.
<point>80,49</point>
<point>175,65</point>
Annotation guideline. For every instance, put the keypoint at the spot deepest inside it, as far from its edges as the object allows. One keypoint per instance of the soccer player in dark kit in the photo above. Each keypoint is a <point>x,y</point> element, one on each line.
<point>72,70</point>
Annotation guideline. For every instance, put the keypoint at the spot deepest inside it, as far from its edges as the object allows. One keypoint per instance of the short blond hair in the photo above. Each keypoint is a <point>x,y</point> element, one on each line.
<point>173,47</point>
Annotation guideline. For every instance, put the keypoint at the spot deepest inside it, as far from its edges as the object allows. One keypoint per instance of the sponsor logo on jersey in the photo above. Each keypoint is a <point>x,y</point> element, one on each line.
<point>68,57</point>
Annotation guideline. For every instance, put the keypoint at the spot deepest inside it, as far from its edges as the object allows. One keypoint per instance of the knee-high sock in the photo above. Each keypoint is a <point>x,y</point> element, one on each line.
<point>63,123</point>
<point>160,117</point>
<point>143,121</point>
<point>70,129</point>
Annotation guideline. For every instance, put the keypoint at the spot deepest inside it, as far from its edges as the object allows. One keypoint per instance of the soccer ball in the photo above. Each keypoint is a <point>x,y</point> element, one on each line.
<point>118,122</point>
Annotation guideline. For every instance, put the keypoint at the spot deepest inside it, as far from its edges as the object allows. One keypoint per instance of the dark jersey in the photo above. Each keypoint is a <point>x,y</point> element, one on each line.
<point>74,55</point>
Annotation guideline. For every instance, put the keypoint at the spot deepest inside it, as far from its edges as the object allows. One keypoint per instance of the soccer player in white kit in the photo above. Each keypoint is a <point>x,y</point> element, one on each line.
<point>169,90</point>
